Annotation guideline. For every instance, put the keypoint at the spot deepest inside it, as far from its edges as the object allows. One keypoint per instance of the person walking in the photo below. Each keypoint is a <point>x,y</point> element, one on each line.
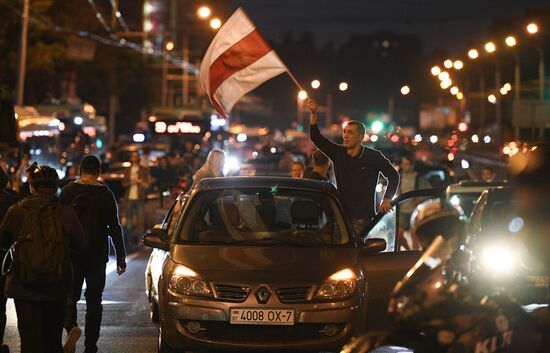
<point>321,163</point>
<point>410,180</point>
<point>41,233</point>
<point>97,211</point>
<point>212,168</point>
<point>136,182</point>
<point>6,201</point>
<point>356,169</point>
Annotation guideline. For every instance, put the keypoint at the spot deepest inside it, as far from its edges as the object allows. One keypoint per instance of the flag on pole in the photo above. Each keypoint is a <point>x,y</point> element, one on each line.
<point>237,61</point>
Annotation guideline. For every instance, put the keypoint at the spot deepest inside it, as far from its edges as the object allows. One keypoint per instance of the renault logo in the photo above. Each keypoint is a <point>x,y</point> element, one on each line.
<point>263,294</point>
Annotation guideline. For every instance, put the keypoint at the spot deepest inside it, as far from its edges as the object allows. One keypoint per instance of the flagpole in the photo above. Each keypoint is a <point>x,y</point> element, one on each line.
<point>293,78</point>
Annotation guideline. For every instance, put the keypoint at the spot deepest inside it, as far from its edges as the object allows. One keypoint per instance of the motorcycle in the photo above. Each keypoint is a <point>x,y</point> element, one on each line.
<point>436,307</point>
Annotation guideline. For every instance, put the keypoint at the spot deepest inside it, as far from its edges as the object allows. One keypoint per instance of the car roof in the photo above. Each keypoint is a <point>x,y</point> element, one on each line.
<point>269,181</point>
<point>473,186</point>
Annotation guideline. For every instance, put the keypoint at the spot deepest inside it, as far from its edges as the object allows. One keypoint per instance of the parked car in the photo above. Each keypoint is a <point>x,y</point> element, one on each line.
<point>495,227</point>
<point>268,263</point>
<point>464,194</point>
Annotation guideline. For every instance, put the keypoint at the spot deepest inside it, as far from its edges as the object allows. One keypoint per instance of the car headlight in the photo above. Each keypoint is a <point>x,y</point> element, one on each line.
<point>342,284</point>
<point>185,281</point>
<point>499,258</point>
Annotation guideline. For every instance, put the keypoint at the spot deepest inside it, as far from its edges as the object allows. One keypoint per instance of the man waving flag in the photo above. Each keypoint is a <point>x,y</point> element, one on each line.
<point>237,61</point>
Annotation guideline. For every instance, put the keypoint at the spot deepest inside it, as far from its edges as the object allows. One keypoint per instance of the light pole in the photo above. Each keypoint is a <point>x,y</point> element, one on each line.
<point>22,55</point>
<point>511,43</point>
<point>490,48</point>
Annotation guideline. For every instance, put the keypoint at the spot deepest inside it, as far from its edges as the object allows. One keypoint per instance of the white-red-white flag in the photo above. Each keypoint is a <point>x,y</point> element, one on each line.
<point>237,61</point>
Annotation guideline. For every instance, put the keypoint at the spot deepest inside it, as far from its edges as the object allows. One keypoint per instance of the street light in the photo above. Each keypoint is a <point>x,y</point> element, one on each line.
<point>343,86</point>
<point>492,99</point>
<point>444,75</point>
<point>454,90</point>
<point>458,65</point>
<point>460,96</point>
<point>490,47</point>
<point>532,28</point>
<point>169,46</point>
<point>405,90</point>
<point>215,23</point>
<point>507,86</point>
<point>204,12</point>
<point>435,70</point>
<point>473,54</point>
<point>511,41</point>
<point>302,95</point>
<point>315,84</point>
<point>448,64</point>
<point>446,83</point>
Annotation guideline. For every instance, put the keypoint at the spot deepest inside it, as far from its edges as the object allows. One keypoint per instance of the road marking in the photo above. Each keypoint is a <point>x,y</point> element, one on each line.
<point>111,267</point>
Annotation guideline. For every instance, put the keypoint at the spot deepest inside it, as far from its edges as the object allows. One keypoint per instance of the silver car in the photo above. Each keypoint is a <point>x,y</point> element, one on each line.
<point>262,263</point>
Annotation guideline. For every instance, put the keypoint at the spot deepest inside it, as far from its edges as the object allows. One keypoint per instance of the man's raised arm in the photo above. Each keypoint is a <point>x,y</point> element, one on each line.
<point>325,145</point>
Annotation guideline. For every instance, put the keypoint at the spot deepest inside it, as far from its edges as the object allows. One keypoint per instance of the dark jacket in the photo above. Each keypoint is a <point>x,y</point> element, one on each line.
<point>10,229</point>
<point>107,216</point>
<point>316,176</point>
<point>356,177</point>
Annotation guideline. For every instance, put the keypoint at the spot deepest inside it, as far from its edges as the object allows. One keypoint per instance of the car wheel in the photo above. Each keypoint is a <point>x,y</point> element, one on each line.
<point>163,347</point>
<point>154,311</point>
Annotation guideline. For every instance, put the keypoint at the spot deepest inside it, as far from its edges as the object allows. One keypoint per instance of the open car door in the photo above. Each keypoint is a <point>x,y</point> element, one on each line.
<point>383,270</point>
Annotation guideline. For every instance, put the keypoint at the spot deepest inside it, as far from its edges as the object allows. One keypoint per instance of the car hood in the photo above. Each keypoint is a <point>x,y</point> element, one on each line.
<point>304,263</point>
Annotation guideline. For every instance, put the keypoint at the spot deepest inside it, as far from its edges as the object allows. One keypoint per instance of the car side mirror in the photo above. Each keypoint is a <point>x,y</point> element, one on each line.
<point>372,246</point>
<point>157,238</point>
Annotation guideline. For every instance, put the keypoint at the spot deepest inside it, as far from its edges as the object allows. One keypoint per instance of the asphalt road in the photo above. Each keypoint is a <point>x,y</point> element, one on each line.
<point>126,327</point>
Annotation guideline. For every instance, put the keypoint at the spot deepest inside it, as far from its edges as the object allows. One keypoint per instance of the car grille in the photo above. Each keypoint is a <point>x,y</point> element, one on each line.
<point>232,293</point>
<point>293,294</point>
<point>225,332</point>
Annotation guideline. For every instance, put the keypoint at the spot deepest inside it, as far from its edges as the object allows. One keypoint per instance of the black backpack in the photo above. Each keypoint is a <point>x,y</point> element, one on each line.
<point>86,207</point>
<point>41,248</point>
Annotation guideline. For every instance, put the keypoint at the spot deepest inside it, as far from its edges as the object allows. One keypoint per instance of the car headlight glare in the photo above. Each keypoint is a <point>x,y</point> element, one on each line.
<point>499,258</point>
<point>183,281</point>
<point>340,285</point>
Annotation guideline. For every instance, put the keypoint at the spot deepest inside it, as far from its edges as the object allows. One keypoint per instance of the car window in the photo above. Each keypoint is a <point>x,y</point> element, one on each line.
<point>385,229</point>
<point>465,200</point>
<point>265,215</point>
<point>477,213</point>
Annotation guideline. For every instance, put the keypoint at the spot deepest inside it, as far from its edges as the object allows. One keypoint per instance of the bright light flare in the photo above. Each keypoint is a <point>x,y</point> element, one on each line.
<point>532,28</point>
<point>181,270</point>
<point>475,138</point>
<point>435,71</point>
<point>302,95</point>
<point>315,84</point>
<point>343,86</point>
<point>343,275</point>
<point>443,75</point>
<point>492,99</point>
<point>446,83</point>
<point>490,47</point>
<point>231,163</point>
<point>511,41</point>
<point>433,139</point>
<point>448,64</point>
<point>215,23</point>
<point>204,12</point>
<point>499,258</point>
<point>405,90</point>
<point>460,96</point>
<point>454,90</point>
<point>458,64</point>
<point>169,46</point>
<point>473,54</point>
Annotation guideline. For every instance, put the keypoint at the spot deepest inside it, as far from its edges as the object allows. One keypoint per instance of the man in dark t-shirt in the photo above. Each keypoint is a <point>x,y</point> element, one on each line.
<point>356,169</point>
<point>321,163</point>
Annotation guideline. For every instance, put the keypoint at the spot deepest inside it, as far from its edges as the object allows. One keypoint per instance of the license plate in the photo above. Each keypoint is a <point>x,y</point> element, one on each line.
<point>252,316</point>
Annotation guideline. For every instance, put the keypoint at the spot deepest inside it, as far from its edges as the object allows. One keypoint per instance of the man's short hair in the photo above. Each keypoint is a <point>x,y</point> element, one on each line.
<point>320,159</point>
<point>299,163</point>
<point>90,165</point>
<point>360,126</point>
<point>489,169</point>
<point>3,179</point>
<point>409,158</point>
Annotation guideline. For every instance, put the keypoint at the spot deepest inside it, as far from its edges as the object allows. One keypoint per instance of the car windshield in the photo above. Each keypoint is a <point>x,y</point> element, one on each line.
<point>465,200</point>
<point>264,216</point>
<point>503,218</point>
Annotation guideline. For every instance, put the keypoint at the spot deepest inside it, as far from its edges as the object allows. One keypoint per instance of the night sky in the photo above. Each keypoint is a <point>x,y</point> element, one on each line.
<point>443,24</point>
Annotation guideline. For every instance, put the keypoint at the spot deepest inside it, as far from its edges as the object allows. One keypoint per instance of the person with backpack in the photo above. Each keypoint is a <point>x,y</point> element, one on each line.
<point>6,201</point>
<point>97,210</point>
<point>40,234</point>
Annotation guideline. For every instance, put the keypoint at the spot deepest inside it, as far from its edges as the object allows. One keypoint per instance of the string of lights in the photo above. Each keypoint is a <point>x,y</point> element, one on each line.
<point>114,41</point>
<point>99,16</point>
<point>118,15</point>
